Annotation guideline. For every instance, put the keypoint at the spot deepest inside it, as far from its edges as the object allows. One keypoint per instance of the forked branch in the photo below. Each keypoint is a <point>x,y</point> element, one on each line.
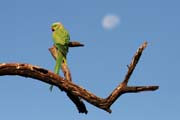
<point>44,75</point>
<point>67,74</point>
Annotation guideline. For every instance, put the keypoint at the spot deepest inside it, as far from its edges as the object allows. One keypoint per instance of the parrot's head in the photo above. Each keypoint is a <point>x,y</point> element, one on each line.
<point>56,26</point>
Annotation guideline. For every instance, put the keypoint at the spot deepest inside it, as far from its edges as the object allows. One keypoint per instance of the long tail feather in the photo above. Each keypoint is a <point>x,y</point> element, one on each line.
<point>57,66</point>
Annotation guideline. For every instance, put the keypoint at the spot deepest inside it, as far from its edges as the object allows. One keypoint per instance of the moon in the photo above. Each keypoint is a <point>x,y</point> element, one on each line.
<point>110,21</point>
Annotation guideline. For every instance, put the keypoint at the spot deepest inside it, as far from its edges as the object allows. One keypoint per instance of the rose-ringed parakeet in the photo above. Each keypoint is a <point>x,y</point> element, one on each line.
<point>61,40</point>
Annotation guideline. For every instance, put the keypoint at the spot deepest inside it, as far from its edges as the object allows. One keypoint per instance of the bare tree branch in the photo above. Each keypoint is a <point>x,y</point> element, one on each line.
<point>67,74</point>
<point>38,73</point>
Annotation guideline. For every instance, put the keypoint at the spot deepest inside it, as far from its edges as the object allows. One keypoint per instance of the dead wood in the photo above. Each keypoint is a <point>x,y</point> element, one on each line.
<point>67,85</point>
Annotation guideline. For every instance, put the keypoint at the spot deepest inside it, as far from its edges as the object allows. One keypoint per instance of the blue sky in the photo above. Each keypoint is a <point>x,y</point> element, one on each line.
<point>25,36</point>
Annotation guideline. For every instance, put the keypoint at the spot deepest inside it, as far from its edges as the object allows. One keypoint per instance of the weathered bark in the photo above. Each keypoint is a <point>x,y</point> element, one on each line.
<point>38,73</point>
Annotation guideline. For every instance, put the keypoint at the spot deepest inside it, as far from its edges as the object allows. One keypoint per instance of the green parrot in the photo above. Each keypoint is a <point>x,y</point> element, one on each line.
<point>61,40</point>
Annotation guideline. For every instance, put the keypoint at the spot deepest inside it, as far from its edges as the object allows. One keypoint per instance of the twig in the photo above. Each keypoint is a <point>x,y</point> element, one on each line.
<point>75,44</point>
<point>49,77</point>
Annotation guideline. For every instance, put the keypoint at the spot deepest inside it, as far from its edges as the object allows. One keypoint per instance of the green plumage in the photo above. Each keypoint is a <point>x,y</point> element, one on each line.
<point>61,40</point>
